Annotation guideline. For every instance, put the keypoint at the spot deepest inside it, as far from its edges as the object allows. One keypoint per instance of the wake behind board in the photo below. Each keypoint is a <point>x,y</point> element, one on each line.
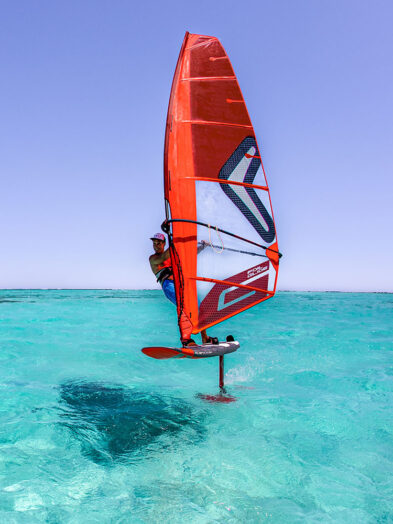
<point>203,351</point>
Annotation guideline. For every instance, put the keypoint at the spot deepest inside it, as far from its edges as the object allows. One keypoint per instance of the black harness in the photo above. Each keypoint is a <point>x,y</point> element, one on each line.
<point>163,274</point>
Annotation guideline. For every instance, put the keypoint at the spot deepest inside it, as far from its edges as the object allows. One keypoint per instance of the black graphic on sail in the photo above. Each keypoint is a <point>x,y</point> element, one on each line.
<point>242,166</point>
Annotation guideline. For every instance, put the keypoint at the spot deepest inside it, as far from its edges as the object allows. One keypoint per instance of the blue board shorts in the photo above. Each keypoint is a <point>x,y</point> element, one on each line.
<point>168,288</point>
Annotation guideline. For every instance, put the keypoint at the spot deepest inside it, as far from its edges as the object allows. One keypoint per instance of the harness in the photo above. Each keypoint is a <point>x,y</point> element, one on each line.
<point>163,274</point>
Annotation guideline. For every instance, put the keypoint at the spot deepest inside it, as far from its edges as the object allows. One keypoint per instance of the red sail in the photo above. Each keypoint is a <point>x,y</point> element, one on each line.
<point>224,245</point>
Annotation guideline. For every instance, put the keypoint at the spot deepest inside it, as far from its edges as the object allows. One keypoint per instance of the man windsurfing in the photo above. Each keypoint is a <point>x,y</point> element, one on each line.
<point>161,265</point>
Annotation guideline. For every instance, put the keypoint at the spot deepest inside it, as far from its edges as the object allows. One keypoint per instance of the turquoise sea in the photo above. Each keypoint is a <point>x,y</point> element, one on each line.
<point>91,430</point>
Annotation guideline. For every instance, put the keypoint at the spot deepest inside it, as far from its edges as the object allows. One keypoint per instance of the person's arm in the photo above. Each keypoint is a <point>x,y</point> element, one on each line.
<point>201,247</point>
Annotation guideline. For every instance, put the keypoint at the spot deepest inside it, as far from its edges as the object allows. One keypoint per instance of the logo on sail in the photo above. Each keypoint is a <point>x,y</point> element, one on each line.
<point>242,166</point>
<point>239,294</point>
<point>226,299</point>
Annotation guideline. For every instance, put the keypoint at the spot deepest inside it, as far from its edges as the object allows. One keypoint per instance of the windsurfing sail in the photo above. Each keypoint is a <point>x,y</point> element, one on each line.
<point>219,216</point>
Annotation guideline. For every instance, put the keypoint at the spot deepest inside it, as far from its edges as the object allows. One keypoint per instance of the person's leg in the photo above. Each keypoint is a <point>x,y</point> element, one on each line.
<point>185,324</point>
<point>168,288</point>
<point>206,339</point>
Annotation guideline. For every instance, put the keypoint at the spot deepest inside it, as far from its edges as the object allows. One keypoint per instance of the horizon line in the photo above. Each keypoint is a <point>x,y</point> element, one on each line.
<point>155,289</point>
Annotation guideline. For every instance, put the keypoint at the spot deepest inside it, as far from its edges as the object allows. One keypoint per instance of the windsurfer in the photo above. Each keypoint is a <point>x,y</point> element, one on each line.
<point>161,265</point>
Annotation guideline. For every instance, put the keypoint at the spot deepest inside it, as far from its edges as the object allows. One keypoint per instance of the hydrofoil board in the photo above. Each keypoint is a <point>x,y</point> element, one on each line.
<point>203,351</point>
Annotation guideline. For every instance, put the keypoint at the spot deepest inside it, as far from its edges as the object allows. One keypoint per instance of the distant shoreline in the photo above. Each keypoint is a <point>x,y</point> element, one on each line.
<point>155,289</point>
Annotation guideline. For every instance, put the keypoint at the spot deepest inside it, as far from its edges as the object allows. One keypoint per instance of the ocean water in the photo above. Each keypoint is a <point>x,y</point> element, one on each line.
<point>91,430</point>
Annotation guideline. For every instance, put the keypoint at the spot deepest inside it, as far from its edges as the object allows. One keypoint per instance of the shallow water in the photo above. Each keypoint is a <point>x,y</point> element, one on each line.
<point>91,430</point>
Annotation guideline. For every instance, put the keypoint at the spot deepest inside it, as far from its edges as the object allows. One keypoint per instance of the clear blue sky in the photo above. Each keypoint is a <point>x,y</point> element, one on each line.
<point>83,98</point>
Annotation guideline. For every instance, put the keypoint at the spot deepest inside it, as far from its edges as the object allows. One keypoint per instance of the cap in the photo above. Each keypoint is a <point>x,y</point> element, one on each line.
<point>158,236</point>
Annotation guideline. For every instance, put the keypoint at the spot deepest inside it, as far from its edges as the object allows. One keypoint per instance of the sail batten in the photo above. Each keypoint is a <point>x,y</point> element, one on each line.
<point>232,284</point>
<point>208,78</point>
<point>244,184</point>
<point>211,123</point>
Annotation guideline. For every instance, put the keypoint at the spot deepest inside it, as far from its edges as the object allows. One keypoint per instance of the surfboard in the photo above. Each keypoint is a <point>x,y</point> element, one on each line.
<point>202,351</point>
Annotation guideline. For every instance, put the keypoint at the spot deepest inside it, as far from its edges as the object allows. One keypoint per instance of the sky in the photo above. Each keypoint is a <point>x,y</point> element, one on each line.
<point>83,99</point>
